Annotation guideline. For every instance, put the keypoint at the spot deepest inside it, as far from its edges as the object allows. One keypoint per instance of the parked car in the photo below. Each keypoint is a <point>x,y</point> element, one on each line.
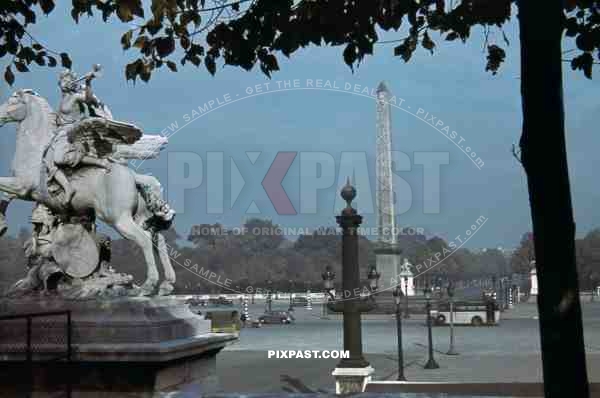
<point>276,317</point>
<point>195,304</point>
<point>221,301</point>
<point>299,302</point>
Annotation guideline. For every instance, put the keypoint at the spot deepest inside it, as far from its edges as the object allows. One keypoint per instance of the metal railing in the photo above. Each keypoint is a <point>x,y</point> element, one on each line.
<point>41,344</point>
<point>29,350</point>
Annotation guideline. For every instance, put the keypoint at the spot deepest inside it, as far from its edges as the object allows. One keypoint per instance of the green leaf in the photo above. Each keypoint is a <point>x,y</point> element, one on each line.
<point>194,59</point>
<point>146,73</point>
<point>65,60</point>
<point>29,16</point>
<point>126,39</point>
<point>585,41</point>
<point>185,42</point>
<point>47,6</point>
<point>164,45</point>
<point>495,58</point>
<point>131,71</point>
<point>9,76</point>
<point>75,15</point>
<point>572,27</point>
<point>172,65</point>
<point>452,36</point>
<point>141,42</point>
<point>427,43</point>
<point>405,50</point>
<point>583,62</point>
<point>21,67</point>
<point>40,60</point>
<point>271,62</point>
<point>126,9</point>
<point>153,26</point>
<point>350,55</point>
<point>196,49</point>
<point>209,62</point>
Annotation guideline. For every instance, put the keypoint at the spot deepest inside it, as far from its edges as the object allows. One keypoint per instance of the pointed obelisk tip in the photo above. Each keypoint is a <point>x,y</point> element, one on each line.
<point>383,87</point>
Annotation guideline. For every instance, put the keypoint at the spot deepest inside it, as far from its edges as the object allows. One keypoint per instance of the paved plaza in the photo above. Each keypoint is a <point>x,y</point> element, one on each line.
<point>509,352</point>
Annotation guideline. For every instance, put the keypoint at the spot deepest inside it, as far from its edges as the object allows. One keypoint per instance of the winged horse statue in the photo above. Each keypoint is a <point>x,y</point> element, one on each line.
<point>89,151</point>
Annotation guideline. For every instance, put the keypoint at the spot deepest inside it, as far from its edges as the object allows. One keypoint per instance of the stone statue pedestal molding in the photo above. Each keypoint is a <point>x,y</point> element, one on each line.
<point>137,346</point>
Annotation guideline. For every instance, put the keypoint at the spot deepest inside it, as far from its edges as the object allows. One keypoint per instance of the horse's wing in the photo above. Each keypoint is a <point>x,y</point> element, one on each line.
<point>101,136</point>
<point>147,147</point>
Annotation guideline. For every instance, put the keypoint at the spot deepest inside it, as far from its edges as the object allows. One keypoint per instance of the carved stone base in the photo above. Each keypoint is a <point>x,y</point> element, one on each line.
<point>100,284</point>
<point>351,380</point>
<point>47,278</point>
<point>131,345</point>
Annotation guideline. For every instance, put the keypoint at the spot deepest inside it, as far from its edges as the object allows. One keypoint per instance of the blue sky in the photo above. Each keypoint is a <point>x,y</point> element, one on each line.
<point>452,85</point>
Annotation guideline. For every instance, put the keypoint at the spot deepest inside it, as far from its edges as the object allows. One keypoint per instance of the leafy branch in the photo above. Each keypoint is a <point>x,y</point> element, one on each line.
<point>247,33</point>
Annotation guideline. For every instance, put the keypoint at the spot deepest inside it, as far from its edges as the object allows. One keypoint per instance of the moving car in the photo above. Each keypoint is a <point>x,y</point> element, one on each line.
<point>276,317</point>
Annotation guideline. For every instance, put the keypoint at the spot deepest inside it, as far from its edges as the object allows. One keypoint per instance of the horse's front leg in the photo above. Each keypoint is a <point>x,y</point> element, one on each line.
<point>3,224</point>
<point>11,187</point>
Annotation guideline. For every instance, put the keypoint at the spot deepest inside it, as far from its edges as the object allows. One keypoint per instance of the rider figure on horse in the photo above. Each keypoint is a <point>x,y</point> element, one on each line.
<point>62,151</point>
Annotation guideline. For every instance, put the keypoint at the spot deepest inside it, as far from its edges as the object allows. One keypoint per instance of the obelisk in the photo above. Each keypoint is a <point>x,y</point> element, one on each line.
<point>387,253</point>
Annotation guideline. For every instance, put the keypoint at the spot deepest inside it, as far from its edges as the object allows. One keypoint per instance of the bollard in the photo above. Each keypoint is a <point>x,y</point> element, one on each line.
<point>245,312</point>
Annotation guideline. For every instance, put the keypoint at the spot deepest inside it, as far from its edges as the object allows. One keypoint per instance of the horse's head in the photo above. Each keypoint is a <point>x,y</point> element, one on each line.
<point>36,124</point>
<point>14,110</point>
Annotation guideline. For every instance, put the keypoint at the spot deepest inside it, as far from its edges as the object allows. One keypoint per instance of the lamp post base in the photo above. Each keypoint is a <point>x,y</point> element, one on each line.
<point>431,364</point>
<point>452,351</point>
<point>351,380</point>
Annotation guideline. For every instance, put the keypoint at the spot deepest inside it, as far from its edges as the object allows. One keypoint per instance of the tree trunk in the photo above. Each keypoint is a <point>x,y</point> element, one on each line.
<point>543,153</point>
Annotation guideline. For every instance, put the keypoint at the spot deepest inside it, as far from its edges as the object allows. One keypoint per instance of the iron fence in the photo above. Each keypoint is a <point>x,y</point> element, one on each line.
<point>34,341</point>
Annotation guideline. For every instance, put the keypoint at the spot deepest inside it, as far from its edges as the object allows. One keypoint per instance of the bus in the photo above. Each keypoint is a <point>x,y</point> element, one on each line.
<point>474,313</point>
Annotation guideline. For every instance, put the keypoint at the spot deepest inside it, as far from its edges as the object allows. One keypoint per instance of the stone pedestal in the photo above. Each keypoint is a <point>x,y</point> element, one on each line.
<point>533,292</point>
<point>351,380</point>
<point>135,346</point>
<point>406,279</point>
<point>388,263</point>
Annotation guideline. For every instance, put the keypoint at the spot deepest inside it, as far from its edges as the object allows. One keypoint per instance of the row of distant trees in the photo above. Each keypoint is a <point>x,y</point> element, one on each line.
<point>587,251</point>
<point>252,258</point>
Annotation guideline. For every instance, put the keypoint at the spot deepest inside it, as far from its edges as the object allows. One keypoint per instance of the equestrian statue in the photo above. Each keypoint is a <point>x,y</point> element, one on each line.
<point>74,164</point>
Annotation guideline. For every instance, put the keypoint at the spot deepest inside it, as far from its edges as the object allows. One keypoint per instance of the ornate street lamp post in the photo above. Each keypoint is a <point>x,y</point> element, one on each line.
<point>593,277</point>
<point>397,297</point>
<point>406,315</point>
<point>451,350</point>
<point>269,284</point>
<point>291,283</point>
<point>355,367</point>
<point>308,296</point>
<point>328,276</point>
<point>373,277</point>
<point>431,363</point>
